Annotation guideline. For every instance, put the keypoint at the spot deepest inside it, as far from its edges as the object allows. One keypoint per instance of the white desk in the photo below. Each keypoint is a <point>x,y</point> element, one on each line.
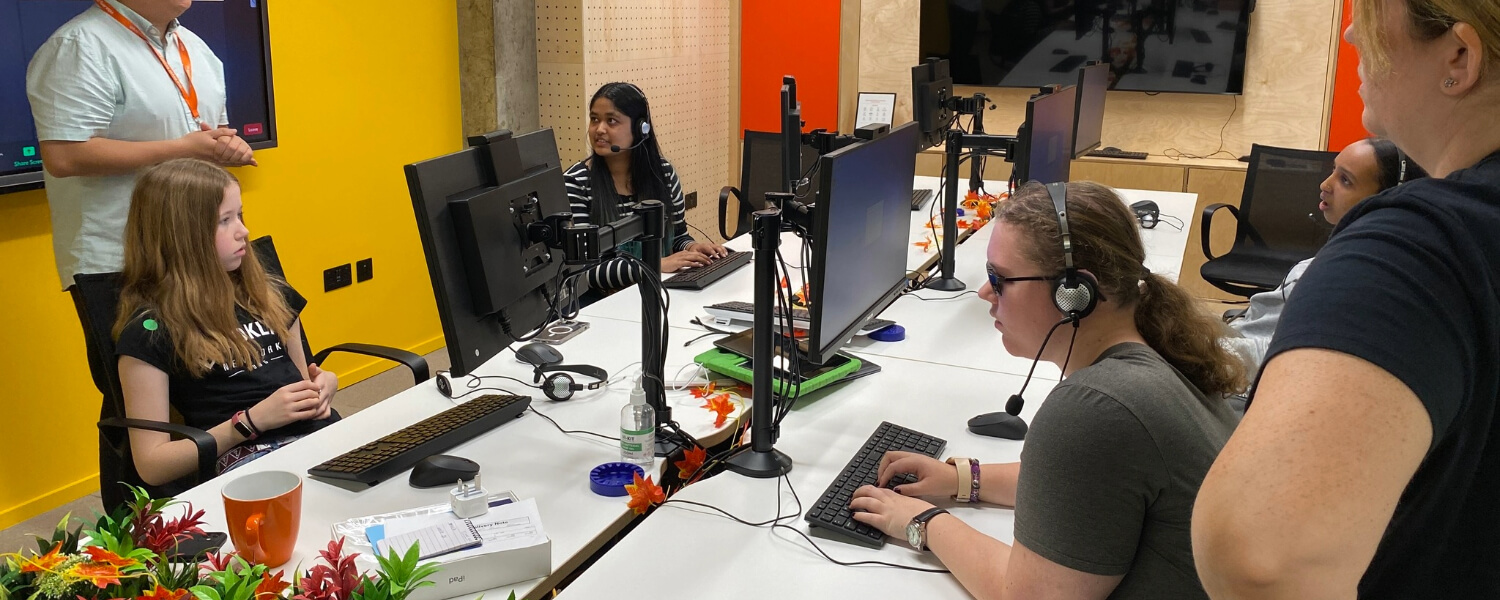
<point>695,553</point>
<point>527,456</point>
<point>954,330</point>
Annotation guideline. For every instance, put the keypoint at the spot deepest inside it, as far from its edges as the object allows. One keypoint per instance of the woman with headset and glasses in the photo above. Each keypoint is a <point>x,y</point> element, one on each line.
<point>625,166</point>
<point>1363,169</point>
<point>1104,491</point>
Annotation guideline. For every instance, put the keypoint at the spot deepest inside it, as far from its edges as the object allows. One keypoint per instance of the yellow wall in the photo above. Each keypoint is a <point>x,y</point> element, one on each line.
<point>359,93</point>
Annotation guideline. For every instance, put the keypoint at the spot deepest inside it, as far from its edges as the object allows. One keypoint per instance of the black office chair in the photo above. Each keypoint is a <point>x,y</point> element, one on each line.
<point>1278,221</point>
<point>97,298</point>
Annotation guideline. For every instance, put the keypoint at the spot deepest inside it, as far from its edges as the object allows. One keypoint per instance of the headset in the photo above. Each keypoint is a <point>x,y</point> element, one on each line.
<point>557,386</point>
<point>642,130</point>
<point>1075,294</point>
<point>560,386</point>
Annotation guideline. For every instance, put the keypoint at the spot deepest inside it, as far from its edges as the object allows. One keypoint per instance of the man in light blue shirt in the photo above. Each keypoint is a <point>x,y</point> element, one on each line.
<point>110,92</point>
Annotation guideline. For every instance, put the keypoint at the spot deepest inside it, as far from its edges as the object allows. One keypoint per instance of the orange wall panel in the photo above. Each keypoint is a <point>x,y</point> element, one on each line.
<point>1346,127</point>
<point>789,37</point>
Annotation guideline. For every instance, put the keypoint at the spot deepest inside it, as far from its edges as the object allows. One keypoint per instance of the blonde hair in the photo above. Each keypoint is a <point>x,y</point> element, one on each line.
<point>172,268</point>
<point>1108,245</point>
<point>1426,21</point>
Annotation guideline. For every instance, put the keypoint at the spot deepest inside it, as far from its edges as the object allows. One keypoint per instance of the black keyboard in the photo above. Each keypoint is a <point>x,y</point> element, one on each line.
<point>702,277</point>
<point>919,198</point>
<point>1117,153</point>
<point>831,512</point>
<point>393,454</point>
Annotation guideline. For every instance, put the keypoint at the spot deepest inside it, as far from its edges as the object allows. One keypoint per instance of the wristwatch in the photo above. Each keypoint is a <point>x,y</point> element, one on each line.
<point>240,422</point>
<point>916,530</point>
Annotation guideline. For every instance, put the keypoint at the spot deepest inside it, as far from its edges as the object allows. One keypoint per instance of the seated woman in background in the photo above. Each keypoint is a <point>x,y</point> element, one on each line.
<point>203,328</point>
<point>1104,491</point>
<point>624,167</point>
<point>1361,170</point>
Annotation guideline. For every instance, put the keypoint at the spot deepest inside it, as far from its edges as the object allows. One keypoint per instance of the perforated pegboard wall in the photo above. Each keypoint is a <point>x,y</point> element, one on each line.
<point>679,53</point>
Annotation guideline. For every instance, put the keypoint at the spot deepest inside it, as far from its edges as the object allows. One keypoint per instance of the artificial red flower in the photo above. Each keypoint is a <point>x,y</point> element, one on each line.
<point>692,460</point>
<point>721,405</point>
<point>644,494</point>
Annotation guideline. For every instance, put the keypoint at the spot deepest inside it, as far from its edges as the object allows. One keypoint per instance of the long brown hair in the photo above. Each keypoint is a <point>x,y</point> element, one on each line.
<point>172,269</point>
<point>1107,243</point>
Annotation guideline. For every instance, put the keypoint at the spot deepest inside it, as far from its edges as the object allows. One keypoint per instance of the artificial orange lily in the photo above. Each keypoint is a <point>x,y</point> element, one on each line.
<point>45,562</point>
<point>702,391</point>
<point>162,593</point>
<point>271,586</point>
<point>692,460</point>
<point>99,574</point>
<point>99,555</point>
<point>721,405</point>
<point>644,494</point>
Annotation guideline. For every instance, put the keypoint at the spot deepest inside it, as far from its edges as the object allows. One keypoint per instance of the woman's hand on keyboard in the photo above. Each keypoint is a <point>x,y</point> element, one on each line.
<point>934,477</point>
<point>886,510</point>
<point>684,260</point>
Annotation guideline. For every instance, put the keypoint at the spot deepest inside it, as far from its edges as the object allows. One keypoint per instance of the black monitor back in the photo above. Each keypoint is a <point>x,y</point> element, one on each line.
<point>760,170</point>
<point>491,284</point>
<point>862,226</point>
<point>1046,140</point>
<point>1088,113</point>
<point>931,87</point>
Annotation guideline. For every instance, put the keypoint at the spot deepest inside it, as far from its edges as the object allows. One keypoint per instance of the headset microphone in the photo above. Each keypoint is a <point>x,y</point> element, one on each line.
<point>645,133</point>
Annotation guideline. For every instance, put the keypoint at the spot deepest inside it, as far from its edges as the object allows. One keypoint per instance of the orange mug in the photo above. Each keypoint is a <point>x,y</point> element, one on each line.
<point>264,510</point>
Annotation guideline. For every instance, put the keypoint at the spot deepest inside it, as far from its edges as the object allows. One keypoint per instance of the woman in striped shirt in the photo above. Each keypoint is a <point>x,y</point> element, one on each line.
<point>626,167</point>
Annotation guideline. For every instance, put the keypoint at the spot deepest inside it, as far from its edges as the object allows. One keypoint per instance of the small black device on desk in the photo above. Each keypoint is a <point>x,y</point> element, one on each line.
<point>1147,213</point>
<point>702,277</point>
<point>831,512</point>
<point>441,470</point>
<point>388,456</point>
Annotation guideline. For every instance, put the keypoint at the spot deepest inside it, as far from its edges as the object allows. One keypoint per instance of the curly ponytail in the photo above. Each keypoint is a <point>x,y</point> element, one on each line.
<point>1107,243</point>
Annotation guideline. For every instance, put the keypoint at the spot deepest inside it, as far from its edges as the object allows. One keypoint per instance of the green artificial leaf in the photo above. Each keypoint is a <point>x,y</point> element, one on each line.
<point>205,592</point>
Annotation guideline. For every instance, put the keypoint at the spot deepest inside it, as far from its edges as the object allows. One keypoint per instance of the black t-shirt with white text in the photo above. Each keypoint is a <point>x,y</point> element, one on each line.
<point>1410,282</point>
<point>207,401</point>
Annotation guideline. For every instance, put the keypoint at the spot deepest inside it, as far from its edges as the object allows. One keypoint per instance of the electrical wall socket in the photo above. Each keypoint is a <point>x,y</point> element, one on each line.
<point>337,277</point>
<point>364,269</point>
<point>691,199</point>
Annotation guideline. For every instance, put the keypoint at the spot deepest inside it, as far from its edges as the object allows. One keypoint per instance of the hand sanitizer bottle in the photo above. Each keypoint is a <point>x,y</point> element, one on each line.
<point>638,430</point>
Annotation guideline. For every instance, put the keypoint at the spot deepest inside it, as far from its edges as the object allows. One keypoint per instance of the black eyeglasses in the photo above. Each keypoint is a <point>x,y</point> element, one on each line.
<point>997,280</point>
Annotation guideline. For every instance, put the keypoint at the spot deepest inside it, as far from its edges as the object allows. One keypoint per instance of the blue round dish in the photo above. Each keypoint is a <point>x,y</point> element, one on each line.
<point>893,333</point>
<point>610,479</point>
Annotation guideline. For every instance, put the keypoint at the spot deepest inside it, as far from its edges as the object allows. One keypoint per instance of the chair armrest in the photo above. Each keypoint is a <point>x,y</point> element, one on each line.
<point>724,194</point>
<point>208,447</point>
<point>1206,227</point>
<point>1234,313</point>
<point>412,360</point>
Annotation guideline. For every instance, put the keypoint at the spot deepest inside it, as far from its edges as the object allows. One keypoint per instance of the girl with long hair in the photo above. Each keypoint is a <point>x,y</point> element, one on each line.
<point>626,166</point>
<point>204,329</point>
<point>1104,490</point>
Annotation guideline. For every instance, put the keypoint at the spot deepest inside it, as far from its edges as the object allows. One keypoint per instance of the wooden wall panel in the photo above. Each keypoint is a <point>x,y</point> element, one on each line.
<point>1122,174</point>
<point>888,50</point>
<point>678,51</point>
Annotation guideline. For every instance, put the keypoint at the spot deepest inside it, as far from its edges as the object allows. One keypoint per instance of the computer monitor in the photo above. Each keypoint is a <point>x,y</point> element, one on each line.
<point>492,283</point>
<point>931,87</point>
<point>1045,141</point>
<point>861,230</point>
<point>1088,113</point>
<point>237,32</point>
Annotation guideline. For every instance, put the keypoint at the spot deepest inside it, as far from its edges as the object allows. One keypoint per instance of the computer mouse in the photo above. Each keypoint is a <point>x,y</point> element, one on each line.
<point>441,470</point>
<point>1110,149</point>
<point>998,424</point>
<point>538,354</point>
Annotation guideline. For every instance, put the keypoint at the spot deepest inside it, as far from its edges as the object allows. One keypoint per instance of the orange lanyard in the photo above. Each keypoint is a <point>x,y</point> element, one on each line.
<point>189,93</point>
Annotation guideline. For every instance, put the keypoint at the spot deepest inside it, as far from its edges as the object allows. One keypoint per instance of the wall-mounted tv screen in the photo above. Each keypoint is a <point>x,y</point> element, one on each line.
<point>1194,46</point>
<point>236,30</point>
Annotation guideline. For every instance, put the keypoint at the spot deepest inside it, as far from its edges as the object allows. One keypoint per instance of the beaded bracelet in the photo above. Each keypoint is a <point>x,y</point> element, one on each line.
<point>974,485</point>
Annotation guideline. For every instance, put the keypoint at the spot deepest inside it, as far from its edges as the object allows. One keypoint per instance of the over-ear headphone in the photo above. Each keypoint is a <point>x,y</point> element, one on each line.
<point>1075,294</point>
<point>560,386</point>
<point>640,129</point>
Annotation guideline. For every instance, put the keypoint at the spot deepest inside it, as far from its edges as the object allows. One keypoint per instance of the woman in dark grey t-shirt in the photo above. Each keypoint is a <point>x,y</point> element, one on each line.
<point>1104,490</point>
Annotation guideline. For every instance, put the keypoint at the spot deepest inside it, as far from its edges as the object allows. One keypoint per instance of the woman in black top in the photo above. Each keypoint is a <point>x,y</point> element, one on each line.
<point>1368,461</point>
<point>625,167</point>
